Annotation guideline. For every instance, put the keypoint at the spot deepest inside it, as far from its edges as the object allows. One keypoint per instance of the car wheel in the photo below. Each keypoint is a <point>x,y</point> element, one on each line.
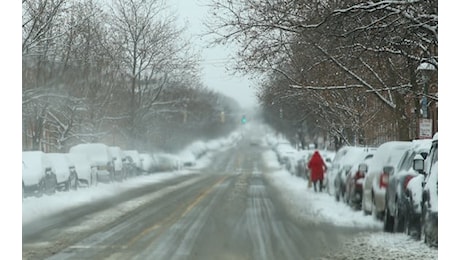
<point>388,221</point>
<point>72,183</point>
<point>398,220</point>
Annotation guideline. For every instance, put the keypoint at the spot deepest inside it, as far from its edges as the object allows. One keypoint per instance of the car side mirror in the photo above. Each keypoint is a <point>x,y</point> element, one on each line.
<point>362,168</point>
<point>419,163</point>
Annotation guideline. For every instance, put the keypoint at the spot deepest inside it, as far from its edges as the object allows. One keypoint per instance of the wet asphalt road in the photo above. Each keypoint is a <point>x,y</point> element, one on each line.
<point>226,211</point>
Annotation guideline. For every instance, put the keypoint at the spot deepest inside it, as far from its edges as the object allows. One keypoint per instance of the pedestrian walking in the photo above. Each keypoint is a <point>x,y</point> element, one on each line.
<point>317,167</point>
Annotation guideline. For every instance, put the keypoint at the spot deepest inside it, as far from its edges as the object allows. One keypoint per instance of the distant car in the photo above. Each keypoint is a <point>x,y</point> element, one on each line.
<point>117,157</point>
<point>285,152</point>
<point>354,181</point>
<point>336,165</point>
<point>429,233</point>
<point>147,163</point>
<point>66,175</point>
<point>38,177</point>
<point>353,156</point>
<point>300,162</point>
<point>385,160</point>
<point>165,162</point>
<point>396,199</point>
<point>100,158</point>
<point>135,167</point>
<point>86,174</point>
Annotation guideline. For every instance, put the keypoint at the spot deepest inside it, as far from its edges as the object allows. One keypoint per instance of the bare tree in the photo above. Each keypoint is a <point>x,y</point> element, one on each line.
<point>371,46</point>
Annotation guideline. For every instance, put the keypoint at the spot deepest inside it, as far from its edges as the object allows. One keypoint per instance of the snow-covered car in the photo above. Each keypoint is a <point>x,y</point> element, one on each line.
<point>353,156</point>
<point>134,165</point>
<point>117,157</point>
<point>300,162</point>
<point>100,159</point>
<point>66,174</point>
<point>384,161</point>
<point>285,153</point>
<point>354,181</point>
<point>86,174</point>
<point>147,162</point>
<point>166,162</point>
<point>334,169</point>
<point>429,230</point>
<point>38,175</point>
<point>396,199</point>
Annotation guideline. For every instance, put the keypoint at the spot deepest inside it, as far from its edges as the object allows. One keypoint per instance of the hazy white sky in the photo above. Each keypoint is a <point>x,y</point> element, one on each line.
<point>215,60</point>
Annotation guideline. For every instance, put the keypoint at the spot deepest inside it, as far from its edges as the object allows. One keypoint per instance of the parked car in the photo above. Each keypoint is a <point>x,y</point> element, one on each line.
<point>134,162</point>
<point>86,174</point>
<point>335,168</point>
<point>100,158</point>
<point>300,165</point>
<point>396,199</point>
<point>38,175</point>
<point>66,175</point>
<point>117,157</point>
<point>165,162</point>
<point>354,181</point>
<point>353,156</point>
<point>429,232</point>
<point>285,152</point>
<point>413,195</point>
<point>147,163</point>
<point>385,160</point>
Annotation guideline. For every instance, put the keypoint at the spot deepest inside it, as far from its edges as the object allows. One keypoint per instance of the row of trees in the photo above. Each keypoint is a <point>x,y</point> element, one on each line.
<point>345,68</point>
<point>120,73</point>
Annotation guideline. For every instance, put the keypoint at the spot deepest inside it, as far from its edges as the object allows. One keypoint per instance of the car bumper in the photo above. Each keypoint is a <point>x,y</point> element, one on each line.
<point>104,176</point>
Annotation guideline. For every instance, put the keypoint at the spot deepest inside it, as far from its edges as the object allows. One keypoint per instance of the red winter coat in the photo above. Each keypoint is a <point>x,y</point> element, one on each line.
<point>317,167</point>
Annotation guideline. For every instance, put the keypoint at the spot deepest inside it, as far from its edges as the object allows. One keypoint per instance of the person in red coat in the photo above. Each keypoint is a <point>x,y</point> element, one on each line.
<point>317,168</point>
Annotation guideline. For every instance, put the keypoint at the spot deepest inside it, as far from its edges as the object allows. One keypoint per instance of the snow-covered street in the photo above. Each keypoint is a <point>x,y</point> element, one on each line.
<point>300,202</point>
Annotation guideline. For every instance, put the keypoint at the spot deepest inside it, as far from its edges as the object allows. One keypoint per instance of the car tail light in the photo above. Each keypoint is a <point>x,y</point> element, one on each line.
<point>359,175</point>
<point>383,183</point>
<point>406,181</point>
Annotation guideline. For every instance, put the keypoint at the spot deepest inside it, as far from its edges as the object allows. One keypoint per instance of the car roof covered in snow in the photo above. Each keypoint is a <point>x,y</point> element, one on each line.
<point>34,164</point>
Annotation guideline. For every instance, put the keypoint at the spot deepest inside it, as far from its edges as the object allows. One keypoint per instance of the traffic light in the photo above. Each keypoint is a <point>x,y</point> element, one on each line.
<point>243,119</point>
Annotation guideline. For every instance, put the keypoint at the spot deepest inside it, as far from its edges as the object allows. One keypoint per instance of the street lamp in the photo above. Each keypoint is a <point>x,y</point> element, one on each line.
<point>425,69</point>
